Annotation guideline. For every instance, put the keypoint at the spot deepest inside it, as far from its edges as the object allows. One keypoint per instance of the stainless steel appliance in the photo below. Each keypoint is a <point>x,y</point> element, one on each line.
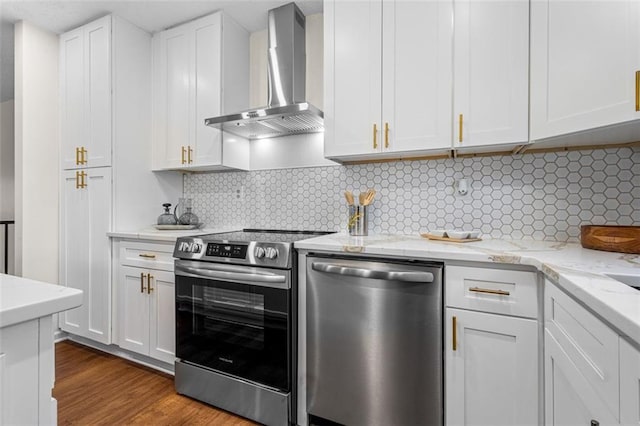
<point>287,113</point>
<point>374,341</point>
<point>236,319</point>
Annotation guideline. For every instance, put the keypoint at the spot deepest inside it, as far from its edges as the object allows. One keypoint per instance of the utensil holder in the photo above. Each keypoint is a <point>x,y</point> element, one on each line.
<point>358,220</point>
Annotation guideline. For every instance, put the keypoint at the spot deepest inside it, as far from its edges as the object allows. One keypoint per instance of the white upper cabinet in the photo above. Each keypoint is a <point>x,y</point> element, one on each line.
<point>585,59</point>
<point>201,70</point>
<point>387,78</point>
<point>85,95</point>
<point>491,73</point>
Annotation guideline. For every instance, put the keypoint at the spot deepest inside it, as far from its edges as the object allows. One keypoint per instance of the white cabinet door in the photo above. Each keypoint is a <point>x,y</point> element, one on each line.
<point>85,82</point>
<point>569,397</point>
<point>207,90</point>
<point>491,377</point>
<point>491,72</point>
<point>629,384</point>
<point>85,251</point>
<point>172,107</point>
<point>72,105</point>
<point>416,75</point>
<point>584,59</point>
<point>133,306</point>
<point>162,323</point>
<point>353,77</point>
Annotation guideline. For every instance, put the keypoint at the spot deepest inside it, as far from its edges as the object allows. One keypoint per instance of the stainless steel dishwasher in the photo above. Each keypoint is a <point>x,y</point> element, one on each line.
<point>374,341</point>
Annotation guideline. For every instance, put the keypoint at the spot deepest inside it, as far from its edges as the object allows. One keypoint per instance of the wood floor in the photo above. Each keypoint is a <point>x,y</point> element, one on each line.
<point>97,388</point>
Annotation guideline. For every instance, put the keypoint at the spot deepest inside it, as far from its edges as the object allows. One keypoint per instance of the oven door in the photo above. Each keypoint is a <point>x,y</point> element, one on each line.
<point>235,319</point>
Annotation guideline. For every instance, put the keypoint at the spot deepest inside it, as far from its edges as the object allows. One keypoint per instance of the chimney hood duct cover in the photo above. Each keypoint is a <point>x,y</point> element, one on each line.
<point>287,113</point>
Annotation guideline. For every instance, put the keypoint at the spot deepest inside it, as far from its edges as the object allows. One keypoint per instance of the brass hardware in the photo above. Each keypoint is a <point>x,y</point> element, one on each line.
<point>455,333</point>
<point>83,157</point>
<point>149,288</point>
<point>148,256</point>
<point>637,90</point>
<point>142,287</point>
<point>375,136</point>
<point>77,156</point>
<point>489,291</point>
<point>184,151</point>
<point>460,128</point>
<point>386,135</point>
<point>77,179</point>
<point>189,155</point>
<point>83,182</point>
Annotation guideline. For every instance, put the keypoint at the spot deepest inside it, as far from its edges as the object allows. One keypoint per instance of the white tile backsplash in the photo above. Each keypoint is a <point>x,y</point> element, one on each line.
<point>529,196</point>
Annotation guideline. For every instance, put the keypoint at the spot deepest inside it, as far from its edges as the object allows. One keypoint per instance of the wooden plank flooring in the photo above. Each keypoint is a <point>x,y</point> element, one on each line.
<point>93,387</point>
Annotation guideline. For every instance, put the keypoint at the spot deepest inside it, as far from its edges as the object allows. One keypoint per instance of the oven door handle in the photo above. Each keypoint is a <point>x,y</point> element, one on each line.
<point>258,278</point>
<point>402,276</point>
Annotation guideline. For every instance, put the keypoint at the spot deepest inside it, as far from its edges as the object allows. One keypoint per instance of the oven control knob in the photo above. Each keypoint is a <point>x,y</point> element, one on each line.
<point>259,253</point>
<point>271,253</point>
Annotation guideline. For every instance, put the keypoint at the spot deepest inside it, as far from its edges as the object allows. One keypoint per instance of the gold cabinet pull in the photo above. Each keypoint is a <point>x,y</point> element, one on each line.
<point>182,160</point>
<point>149,288</point>
<point>460,128</point>
<point>489,291</point>
<point>637,90</point>
<point>142,287</point>
<point>77,156</point>
<point>83,155</point>
<point>77,179</point>
<point>454,333</point>
<point>189,152</point>
<point>148,256</point>
<point>375,136</point>
<point>386,135</point>
<point>83,176</point>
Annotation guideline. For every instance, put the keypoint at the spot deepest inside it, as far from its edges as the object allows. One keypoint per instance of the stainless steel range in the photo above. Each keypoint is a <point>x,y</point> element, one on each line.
<point>236,321</point>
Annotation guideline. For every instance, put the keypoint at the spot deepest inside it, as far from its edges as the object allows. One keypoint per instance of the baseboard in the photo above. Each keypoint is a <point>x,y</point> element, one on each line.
<point>123,353</point>
<point>59,336</point>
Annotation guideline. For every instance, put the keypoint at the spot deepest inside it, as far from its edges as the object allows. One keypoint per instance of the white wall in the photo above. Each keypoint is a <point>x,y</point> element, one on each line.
<point>36,153</point>
<point>7,179</point>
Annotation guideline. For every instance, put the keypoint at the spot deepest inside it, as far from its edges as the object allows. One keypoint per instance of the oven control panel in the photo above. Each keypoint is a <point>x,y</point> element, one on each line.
<point>233,251</point>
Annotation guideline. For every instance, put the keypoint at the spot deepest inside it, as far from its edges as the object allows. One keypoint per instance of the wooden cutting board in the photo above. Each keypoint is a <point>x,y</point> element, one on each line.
<point>622,239</point>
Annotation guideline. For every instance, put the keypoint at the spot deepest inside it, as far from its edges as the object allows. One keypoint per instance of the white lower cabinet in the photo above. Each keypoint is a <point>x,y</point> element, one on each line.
<point>491,347</point>
<point>147,318</point>
<point>592,375</point>
<point>629,384</point>
<point>569,399</point>
<point>146,300</point>
<point>491,369</point>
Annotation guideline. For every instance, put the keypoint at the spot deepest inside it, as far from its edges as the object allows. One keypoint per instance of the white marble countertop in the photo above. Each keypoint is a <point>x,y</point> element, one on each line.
<point>153,234</point>
<point>22,299</point>
<point>577,270</point>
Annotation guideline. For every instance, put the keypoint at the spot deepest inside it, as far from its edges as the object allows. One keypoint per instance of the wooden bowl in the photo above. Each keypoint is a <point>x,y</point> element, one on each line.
<point>622,239</point>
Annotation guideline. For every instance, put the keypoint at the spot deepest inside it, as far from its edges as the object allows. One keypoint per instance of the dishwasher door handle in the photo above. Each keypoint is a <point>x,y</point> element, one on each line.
<point>404,276</point>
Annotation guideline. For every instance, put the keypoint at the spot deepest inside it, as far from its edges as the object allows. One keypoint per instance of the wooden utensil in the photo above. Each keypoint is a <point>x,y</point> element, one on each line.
<point>622,239</point>
<point>349,197</point>
<point>368,197</point>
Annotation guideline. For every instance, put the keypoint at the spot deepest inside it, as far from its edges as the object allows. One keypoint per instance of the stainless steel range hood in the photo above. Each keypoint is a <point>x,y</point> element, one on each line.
<point>288,113</point>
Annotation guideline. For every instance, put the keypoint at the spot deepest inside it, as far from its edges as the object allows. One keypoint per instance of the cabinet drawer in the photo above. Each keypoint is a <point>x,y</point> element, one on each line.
<point>590,344</point>
<point>492,290</point>
<point>147,255</point>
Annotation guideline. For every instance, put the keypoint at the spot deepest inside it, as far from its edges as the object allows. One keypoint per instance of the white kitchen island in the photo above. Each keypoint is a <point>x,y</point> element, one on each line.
<point>27,368</point>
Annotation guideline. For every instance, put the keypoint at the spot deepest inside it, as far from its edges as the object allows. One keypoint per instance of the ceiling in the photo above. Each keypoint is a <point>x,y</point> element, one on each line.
<point>151,15</point>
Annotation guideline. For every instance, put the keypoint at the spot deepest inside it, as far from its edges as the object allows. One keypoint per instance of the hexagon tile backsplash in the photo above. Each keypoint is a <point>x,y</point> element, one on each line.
<point>529,196</point>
